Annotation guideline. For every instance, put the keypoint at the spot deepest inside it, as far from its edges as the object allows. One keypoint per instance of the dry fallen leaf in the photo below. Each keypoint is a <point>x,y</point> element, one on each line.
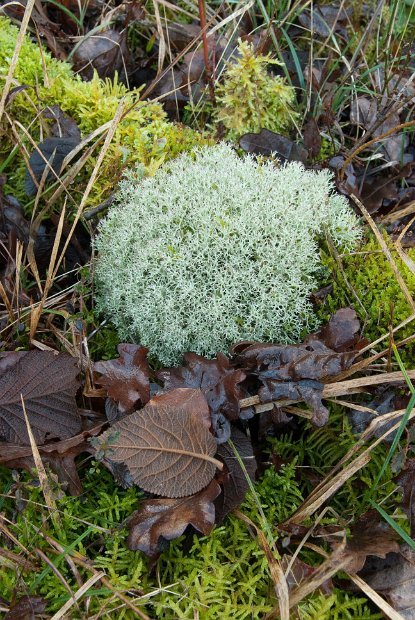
<point>126,378</point>
<point>394,578</point>
<point>168,519</point>
<point>47,382</point>
<point>234,483</point>
<point>27,608</point>
<point>217,379</point>
<point>167,449</point>
<point>59,455</point>
<point>297,372</point>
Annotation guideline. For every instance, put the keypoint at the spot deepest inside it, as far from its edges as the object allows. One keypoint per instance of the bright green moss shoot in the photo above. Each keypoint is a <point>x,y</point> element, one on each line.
<point>145,136</point>
<point>249,98</point>
<point>370,276</point>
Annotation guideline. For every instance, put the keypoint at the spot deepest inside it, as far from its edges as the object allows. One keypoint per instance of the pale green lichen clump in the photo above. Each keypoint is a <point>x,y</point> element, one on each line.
<point>214,249</point>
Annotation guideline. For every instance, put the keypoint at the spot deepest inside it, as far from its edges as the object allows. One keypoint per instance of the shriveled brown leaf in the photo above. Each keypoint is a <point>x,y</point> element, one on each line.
<point>394,578</point>
<point>26,608</point>
<point>217,379</point>
<point>167,449</point>
<point>168,518</point>
<point>341,332</point>
<point>266,142</point>
<point>48,383</point>
<point>363,111</point>
<point>126,378</point>
<point>323,20</point>
<point>296,372</point>
<point>369,536</point>
<point>234,483</point>
<point>60,456</point>
<point>406,480</point>
<point>105,52</point>
<point>53,150</point>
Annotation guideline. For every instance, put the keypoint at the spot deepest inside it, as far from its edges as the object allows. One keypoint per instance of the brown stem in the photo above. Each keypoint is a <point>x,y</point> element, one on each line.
<point>364,146</point>
<point>209,73</point>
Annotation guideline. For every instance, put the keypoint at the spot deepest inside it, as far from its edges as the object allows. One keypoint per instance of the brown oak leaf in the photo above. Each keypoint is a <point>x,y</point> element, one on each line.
<point>168,518</point>
<point>126,378</point>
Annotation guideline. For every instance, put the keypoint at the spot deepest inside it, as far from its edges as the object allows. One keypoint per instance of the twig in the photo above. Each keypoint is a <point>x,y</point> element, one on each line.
<point>364,146</point>
<point>202,18</point>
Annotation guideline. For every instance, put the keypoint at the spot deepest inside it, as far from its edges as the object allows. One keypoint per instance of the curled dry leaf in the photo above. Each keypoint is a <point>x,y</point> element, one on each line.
<point>267,142</point>
<point>297,372</point>
<point>126,378</point>
<point>48,383</point>
<point>370,536</point>
<point>217,379</point>
<point>233,481</point>
<point>341,333</point>
<point>26,608</point>
<point>406,480</point>
<point>104,52</point>
<point>53,151</point>
<point>168,518</point>
<point>59,455</point>
<point>167,449</point>
<point>394,578</point>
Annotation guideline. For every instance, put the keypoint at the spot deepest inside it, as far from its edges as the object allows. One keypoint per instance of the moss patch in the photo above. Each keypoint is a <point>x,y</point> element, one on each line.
<point>145,135</point>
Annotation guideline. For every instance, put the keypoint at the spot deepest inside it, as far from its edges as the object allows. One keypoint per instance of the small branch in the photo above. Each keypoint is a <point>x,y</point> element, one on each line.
<point>364,146</point>
<point>209,74</point>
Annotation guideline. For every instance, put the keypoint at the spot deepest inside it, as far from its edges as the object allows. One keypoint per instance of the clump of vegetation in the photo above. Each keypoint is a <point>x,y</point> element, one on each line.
<point>249,98</point>
<point>216,249</point>
<point>144,136</point>
<point>366,281</point>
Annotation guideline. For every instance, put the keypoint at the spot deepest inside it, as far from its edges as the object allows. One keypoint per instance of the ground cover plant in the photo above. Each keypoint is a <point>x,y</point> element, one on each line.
<point>206,397</point>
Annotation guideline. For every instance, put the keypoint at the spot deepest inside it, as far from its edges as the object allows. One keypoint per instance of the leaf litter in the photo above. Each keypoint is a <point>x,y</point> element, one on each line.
<point>295,374</point>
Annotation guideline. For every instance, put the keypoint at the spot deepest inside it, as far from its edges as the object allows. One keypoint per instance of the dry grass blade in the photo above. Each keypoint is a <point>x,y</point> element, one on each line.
<point>365,144</point>
<point>162,40</point>
<point>327,488</point>
<point>376,598</point>
<point>80,560</point>
<point>41,472</point>
<point>386,251</point>
<point>13,64</point>
<point>58,574</point>
<point>277,573</point>
<point>52,271</point>
<point>82,590</point>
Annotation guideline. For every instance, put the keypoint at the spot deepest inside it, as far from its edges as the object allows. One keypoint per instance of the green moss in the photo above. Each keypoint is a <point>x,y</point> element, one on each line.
<point>144,136</point>
<point>366,282</point>
<point>249,99</point>
<point>224,575</point>
<point>337,606</point>
<point>320,449</point>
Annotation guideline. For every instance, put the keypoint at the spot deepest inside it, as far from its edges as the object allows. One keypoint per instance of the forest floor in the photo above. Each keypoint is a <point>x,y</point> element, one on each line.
<point>283,481</point>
